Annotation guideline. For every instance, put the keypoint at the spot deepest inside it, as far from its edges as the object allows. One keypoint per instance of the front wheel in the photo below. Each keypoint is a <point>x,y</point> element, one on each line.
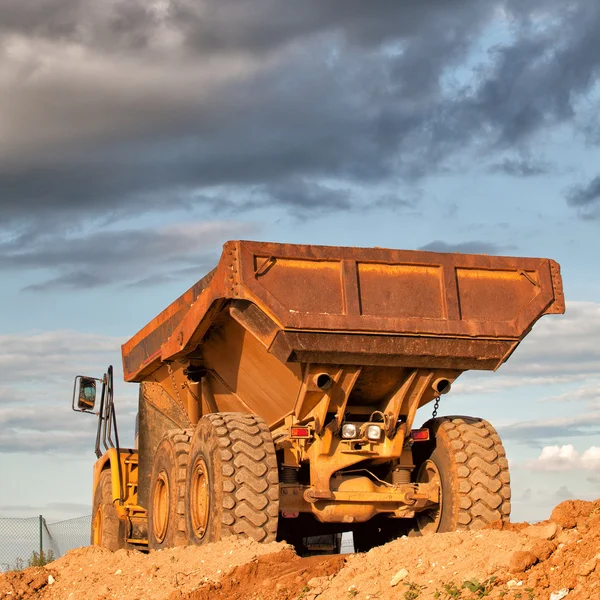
<point>468,459</point>
<point>108,530</point>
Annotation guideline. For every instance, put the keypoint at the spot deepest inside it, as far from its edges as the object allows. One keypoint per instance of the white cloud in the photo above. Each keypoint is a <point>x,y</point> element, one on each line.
<point>577,425</point>
<point>562,344</point>
<point>42,356</point>
<point>590,392</point>
<point>560,349</point>
<point>566,458</point>
<point>590,459</point>
<point>37,371</point>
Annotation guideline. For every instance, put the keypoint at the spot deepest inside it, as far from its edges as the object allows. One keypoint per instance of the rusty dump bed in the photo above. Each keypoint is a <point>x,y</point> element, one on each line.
<point>361,306</point>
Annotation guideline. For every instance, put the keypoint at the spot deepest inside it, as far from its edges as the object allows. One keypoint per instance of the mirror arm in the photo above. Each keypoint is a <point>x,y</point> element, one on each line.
<point>100,421</point>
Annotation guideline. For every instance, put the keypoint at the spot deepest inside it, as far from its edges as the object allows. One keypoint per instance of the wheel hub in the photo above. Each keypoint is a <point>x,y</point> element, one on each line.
<point>199,499</point>
<point>428,521</point>
<point>97,526</point>
<point>160,507</point>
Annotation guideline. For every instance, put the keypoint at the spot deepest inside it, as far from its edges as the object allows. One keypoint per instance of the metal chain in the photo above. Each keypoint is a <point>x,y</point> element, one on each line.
<point>435,407</point>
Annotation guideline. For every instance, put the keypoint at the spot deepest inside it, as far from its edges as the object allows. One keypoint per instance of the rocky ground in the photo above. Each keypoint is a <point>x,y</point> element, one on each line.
<point>556,559</point>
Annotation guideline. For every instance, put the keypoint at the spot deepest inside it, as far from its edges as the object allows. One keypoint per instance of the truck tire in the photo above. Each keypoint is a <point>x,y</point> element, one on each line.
<point>166,506</point>
<point>470,461</point>
<point>108,530</point>
<point>232,484</point>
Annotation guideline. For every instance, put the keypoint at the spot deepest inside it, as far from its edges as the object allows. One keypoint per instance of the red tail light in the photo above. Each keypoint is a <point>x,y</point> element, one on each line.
<point>300,432</point>
<point>420,435</point>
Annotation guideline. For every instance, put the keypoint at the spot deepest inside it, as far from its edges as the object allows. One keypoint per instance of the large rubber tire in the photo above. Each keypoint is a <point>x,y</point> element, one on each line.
<point>232,484</point>
<point>108,530</point>
<point>475,483</point>
<point>166,506</point>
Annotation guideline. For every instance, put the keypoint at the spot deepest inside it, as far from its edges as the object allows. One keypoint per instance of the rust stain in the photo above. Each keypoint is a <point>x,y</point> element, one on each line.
<point>396,292</point>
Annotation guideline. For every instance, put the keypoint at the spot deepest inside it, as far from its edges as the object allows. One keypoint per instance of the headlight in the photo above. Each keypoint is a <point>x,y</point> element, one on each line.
<point>349,431</point>
<point>374,432</point>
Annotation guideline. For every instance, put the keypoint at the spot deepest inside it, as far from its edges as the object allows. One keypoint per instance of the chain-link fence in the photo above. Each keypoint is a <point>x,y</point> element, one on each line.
<point>29,542</point>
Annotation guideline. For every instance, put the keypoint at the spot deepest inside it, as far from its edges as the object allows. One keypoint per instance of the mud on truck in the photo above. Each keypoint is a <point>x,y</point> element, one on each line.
<point>278,397</point>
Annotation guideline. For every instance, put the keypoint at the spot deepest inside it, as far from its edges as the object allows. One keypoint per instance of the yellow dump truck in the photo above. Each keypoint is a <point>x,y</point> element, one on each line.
<point>278,397</point>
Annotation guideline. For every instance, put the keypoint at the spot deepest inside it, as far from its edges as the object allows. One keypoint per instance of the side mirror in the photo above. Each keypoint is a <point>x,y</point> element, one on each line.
<point>84,393</point>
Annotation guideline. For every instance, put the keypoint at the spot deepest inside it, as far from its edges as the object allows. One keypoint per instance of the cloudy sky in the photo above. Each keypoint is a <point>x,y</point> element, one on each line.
<point>136,137</point>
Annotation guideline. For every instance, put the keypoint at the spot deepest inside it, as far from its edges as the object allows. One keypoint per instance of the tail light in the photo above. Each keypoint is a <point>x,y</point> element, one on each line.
<point>300,432</point>
<point>420,435</point>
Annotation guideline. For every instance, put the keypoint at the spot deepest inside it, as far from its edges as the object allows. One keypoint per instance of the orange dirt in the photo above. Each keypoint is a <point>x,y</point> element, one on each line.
<point>514,562</point>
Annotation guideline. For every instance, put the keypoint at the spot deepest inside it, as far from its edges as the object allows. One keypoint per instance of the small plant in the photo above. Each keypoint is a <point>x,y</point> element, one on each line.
<point>40,559</point>
<point>481,590</point>
<point>530,593</point>
<point>452,591</point>
<point>19,564</point>
<point>413,591</point>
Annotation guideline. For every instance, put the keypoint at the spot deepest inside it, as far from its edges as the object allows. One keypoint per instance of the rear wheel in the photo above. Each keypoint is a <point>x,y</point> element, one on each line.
<point>232,483</point>
<point>469,461</point>
<point>108,530</point>
<point>166,518</point>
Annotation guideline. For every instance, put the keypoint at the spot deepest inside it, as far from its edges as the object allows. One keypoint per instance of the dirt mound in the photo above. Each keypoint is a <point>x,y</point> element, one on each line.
<point>97,574</point>
<point>270,577</point>
<point>552,560</point>
<point>556,559</point>
<point>24,584</point>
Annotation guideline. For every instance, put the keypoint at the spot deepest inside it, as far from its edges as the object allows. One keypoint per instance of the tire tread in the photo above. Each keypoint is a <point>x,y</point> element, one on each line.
<point>483,489</point>
<point>250,478</point>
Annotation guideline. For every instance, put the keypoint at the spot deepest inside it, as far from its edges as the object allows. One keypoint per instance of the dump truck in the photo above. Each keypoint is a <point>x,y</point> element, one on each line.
<point>278,398</point>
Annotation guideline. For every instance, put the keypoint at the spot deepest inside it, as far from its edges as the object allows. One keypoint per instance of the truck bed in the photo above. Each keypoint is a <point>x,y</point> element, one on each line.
<point>358,305</point>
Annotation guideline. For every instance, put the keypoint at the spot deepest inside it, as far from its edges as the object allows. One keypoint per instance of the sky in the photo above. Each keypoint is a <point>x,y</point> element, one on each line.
<point>137,137</point>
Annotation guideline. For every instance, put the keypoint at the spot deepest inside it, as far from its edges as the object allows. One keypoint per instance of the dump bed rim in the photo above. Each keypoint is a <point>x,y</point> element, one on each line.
<point>235,278</point>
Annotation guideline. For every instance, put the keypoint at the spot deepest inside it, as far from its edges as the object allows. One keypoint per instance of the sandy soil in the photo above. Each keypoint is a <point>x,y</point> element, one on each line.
<point>556,559</point>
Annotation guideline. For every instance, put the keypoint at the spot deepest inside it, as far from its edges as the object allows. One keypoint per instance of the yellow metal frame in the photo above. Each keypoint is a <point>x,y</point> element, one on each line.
<point>328,453</point>
<point>125,499</point>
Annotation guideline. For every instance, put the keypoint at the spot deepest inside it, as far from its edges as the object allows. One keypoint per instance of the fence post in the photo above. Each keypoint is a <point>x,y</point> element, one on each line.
<point>41,536</point>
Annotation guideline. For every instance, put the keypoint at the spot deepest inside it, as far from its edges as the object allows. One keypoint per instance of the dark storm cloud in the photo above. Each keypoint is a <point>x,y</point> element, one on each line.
<point>121,108</point>
<point>209,27</point>
<point>520,167</point>
<point>77,280</point>
<point>207,262</point>
<point>299,196</point>
<point>311,196</point>
<point>473,247</point>
<point>535,81</point>
<point>585,196</point>
<point>142,257</point>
